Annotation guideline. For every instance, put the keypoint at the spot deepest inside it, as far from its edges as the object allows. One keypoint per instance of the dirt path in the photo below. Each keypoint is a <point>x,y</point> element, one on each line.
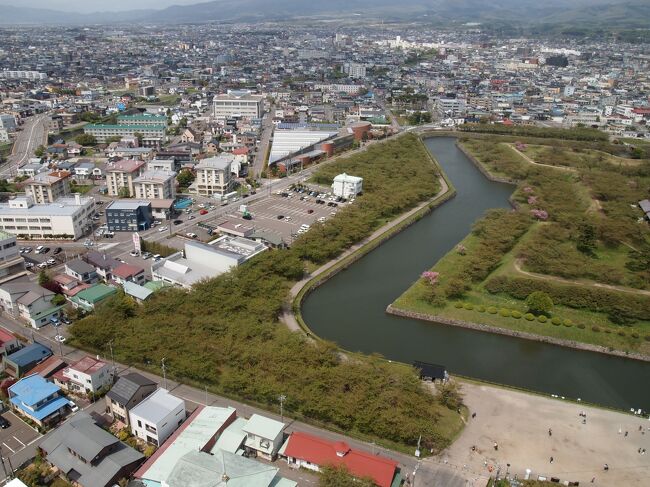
<point>528,159</point>
<point>518,262</point>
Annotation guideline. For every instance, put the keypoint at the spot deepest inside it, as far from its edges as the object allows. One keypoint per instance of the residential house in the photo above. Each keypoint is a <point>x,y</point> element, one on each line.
<point>84,170</point>
<point>37,399</point>
<point>303,450</point>
<point>120,176</point>
<point>206,448</point>
<point>88,455</point>
<point>90,297</point>
<point>22,361</point>
<point>49,367</point>
<point>29,301</point>
<point>263,436</point>
<point>189,135</point>
<point>157,417</point>
<point>103,263</point>
<point>136,291</point>
<point>128,273</point>
<point>69,285</point>
<point>85,376</point>
<point>8,343</point>
<point>129,391</point>
<point>82,271</point>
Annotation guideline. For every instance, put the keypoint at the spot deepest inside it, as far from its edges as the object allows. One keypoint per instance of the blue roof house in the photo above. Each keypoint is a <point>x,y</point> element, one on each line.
<point>37,399</point>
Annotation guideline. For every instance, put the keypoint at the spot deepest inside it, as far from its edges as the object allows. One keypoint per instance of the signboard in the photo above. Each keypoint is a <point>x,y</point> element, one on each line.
<point>137,243</point>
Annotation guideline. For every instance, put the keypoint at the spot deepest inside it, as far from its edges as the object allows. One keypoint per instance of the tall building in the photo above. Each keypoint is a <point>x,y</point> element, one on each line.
<point>122,174</point>
<point>355,70</point>
<point>238,103</point>
<point>152,135</point>
<point>46,188</point>
<point>11,262</point>
<point>213,176</point>
<point>155,185</point>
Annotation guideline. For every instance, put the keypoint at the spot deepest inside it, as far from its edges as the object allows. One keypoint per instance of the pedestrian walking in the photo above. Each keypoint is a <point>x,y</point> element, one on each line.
<point>643,452</point>
<point>473,415</point>
<point>551,460</point>
<point>640,428</point>
<point>496,446</point>
<point>606,468</point>
<point>639,451</point>
<point>593,479</point>
<point>626,434</point>
<point>550,432</point>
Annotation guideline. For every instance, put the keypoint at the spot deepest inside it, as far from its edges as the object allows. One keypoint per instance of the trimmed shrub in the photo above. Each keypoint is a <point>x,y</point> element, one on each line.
<point>529,316</point>
<point>458,305</point>
<point>516,315</point>
<point>468,306</point>
<point>539,302</point>
<point>542,318</point>
<point>505,312</point>
<point>492,310</point>
<point>556,321</point>
<point>607,330</point>
<point>595,328</point>
<point>581,326</point>
<point>480,308</point>
<point>621,333</point>
<point>567,322</point>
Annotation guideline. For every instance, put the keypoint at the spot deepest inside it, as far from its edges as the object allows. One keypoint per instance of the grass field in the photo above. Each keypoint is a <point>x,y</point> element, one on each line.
<point>547,252</point>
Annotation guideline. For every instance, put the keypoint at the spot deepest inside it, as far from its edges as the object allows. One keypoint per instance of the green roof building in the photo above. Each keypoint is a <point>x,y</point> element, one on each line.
<point>89,298</point>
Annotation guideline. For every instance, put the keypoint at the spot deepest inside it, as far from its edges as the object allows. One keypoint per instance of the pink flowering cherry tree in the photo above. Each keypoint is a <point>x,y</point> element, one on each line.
<point>431,277</point>
<point>539,214</point>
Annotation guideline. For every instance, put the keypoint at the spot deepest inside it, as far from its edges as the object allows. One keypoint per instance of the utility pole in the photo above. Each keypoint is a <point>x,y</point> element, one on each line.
<point>110,346</point>
<point>206,395</point>
<point>164,373</point>
<point>60,344</point>
<point>282,398</point>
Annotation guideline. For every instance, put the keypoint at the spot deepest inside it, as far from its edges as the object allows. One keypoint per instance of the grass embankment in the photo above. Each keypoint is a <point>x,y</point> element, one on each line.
<point>225,332</point>
<point>591,263</point>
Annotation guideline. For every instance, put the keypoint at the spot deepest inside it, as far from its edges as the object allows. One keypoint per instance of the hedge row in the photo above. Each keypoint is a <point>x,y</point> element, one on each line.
<point>512,313</point>
<point>529,131</point>
<point>590,298</point>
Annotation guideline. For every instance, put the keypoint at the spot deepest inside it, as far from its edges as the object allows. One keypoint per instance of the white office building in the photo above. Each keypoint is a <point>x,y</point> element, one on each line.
<point>67,217</point>
<point>204,261</point>
<point>238,103</point>
<point>347,186</point>
<point>29,75</point>
<point>157,417</point>
<point>11,262</point>
<point>7,122</point>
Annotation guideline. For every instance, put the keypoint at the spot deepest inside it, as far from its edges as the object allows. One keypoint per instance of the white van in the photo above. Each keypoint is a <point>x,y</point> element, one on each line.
<point>39,249</point>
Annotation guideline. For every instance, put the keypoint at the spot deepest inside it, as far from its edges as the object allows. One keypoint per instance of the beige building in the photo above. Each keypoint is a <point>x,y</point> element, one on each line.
<point>238,103</point>
<point>122,174</point>
<point>46,188</point>
<point>155,185</point>
<point>213,176</point>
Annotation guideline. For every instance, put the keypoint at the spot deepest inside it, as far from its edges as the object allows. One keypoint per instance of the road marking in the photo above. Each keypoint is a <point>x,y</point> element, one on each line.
<point>18,441</point>
<point>8,447</point>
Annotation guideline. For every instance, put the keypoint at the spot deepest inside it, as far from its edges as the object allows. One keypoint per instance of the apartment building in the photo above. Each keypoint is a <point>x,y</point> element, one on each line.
<point>213,176</point>
<point>152,135</point>
<point>122,174</point>
<point>55,124</point>
<point>155,185</point>
<point>47,188</point>
<point>68,217</point>
<point>142,120</point>
<point>7,122</point>
<point>238,103</point>
<point>129,215</point>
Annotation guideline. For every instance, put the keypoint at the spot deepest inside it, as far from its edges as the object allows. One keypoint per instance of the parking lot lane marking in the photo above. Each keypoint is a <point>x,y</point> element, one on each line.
<point>19,441</point>
<point>8,448</point>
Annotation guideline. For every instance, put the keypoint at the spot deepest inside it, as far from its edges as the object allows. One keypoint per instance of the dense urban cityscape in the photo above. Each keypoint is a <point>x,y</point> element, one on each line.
<point>367,251</point>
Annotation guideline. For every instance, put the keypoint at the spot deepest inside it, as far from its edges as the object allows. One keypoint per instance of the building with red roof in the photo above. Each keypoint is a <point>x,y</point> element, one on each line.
<point>86,375</point>
<point>8,343</point>
<point>128,272</point>
<point>312,452</point>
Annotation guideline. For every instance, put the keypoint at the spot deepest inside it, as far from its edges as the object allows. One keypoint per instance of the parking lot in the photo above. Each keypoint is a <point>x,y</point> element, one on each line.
<point>18,436</point>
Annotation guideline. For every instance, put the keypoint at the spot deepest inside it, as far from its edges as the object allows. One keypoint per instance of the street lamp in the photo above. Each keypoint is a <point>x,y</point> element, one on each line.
<point>164,373</point>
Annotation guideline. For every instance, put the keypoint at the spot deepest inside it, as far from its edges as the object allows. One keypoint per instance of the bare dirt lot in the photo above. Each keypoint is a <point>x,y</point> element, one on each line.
<point>519,423</point>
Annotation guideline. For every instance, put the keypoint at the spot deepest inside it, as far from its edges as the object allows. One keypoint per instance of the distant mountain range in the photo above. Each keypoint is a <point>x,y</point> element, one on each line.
<point>520,11</point>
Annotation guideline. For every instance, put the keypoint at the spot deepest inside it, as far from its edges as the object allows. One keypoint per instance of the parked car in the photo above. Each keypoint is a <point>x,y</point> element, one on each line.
<point>51,262</point>
<point>163,228</point>
<point>191,217</point>
<point>134,253</point>
<point>177,222</point>
<point>59,338</point>
<point>65,320</point>
<point>280,217</point>
<point>39,249</point>
<point>310,211</point>
<point>203,212</point>
<point>57,251</point>
<point>55,321</point>
<point>4,423</point>
<point>73,407</point>
<point>191,235</point>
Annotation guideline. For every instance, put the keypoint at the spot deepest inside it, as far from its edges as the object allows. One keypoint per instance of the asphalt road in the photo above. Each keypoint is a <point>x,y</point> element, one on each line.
<point>265,140</point>
<point>32,135</point>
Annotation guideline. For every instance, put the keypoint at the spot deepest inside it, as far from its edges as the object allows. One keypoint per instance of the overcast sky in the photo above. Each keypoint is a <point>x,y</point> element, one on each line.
<point>97,5</point>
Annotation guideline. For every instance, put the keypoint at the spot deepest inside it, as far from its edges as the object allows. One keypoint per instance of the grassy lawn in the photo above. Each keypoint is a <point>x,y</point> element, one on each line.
<point>574,157</point>
<point>81,188</point>
<point>5,149</point>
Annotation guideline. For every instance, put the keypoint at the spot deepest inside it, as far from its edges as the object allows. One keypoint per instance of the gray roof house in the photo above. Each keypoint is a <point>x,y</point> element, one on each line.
<point>128,392</point>
<point>82,271</point>
<point>88,455</point>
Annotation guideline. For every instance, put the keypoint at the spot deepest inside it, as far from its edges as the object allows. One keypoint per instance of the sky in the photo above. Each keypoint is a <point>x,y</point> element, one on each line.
<point>87,6</point>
